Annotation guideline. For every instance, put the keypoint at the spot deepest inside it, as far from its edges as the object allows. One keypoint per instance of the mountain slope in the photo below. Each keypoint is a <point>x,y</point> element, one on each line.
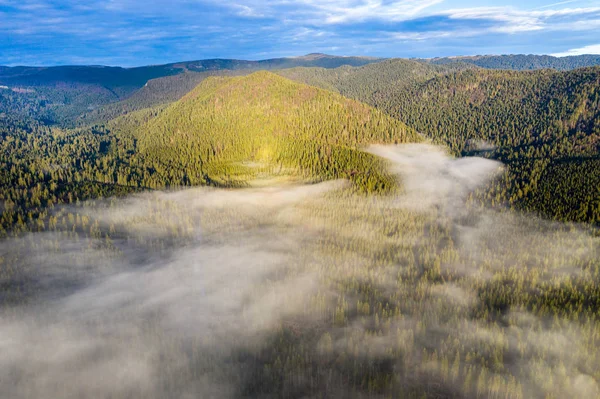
<point>168,89</point>
<point>362,82</point>
<point>212,133</point>
<point>155,92</point>
<point>544,125</point>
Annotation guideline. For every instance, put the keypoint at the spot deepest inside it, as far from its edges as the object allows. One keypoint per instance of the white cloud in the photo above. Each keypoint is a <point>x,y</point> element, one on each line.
<point>511,20</point>
<point>416,36</point>
<point>557,4</point>
<point>591,49</point>
<point>507,20</point>
<point>349,11</point>
<point>335,11</point>
<point>245,11</point>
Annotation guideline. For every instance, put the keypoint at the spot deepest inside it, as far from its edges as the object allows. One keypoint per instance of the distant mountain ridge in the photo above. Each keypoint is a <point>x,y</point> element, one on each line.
<point>113,77</point>
<point>62,94</point>
<point>79,95</point>
<point>522,62</point>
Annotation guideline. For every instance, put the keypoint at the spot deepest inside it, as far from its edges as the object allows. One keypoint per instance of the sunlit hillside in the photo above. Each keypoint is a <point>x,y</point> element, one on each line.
<point>213,132</point>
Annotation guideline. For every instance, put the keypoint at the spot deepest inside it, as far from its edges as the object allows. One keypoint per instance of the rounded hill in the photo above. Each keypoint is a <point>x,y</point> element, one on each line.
<point>228,130</point>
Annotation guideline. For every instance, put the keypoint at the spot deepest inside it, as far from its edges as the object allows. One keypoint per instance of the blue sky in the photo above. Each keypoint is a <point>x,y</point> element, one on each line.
<point>134,32</point>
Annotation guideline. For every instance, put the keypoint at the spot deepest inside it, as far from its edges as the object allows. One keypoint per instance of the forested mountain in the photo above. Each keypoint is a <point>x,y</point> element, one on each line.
<point>224,132</point>
<point>522,62</point>
<point>63,95</point>
<point>216,129</point>
<point>171,88</point>
<point>544,125</point>
<point>77,95</point>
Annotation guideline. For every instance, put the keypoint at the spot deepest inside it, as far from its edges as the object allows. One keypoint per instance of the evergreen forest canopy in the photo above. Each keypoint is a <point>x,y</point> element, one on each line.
<point>316,226</point>
<point>543,125</point>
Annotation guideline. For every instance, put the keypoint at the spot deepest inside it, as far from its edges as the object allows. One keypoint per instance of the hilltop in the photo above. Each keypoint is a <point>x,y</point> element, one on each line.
<point>224,124</point>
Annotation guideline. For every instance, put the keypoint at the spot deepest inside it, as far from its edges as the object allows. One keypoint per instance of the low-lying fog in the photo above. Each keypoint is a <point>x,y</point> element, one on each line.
<point>305,291</point>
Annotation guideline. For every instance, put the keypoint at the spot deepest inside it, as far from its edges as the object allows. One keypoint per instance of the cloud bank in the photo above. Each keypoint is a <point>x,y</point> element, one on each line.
<point>591,49</point>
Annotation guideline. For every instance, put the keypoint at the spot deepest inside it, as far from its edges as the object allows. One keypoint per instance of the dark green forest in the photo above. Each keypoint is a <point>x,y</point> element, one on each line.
<point>542,125</point>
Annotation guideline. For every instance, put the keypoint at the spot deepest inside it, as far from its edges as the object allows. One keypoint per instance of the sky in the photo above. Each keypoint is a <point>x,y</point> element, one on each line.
<point>134,32</point>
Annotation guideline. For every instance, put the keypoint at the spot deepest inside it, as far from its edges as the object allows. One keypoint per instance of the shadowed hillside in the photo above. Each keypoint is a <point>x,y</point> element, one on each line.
<point>362,82</point>
<point>542,124</point>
